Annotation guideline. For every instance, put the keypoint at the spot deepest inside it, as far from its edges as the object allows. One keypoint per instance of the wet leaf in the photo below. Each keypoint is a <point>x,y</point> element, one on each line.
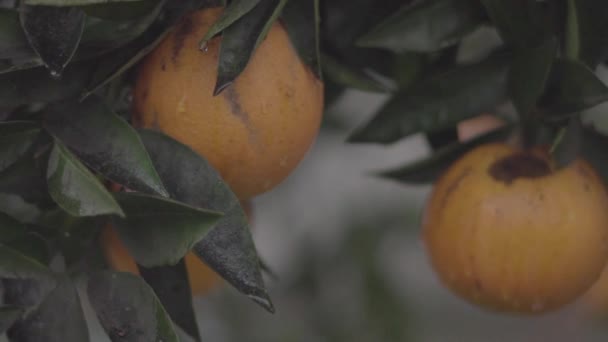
<point>58,318</point>
<point>302,20</point>
<point>427,170</point>
<point>8,316</point>
<point>425,26</point>
<point>15,265</point>
<point>72,2</point>
<point>128,310</point>
<point>228,248</point>
<point>235,10</point>
<point>30,86</point>
<point>159,231</point>
<point>15,51</point>
<point>104,142</point>
<point>120,10</point>
<point>572,87</point>
<point>240,40</point>
<point>10,229</point>
<point>349,76</point>
<point>521,23</point>
<point>23,189</point>
<point>528,74</point>
<point>567,143</point>
<point>74,188</point>
<point>171,286</point>
<point>439,102</point>
<point>592,26</point>
<point>593,149</point>
<point>16,138</point>
<point>54,33</point>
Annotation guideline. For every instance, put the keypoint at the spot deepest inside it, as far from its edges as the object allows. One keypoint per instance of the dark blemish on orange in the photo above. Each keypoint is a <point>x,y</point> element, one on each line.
<point>478,285</point>
<point>234,101</point>
<point>586,187</point>
<point>145,94</point>
<point>181,33</point>
<point>519,165</point>
<point>163,65</point>
<point>454,186</point>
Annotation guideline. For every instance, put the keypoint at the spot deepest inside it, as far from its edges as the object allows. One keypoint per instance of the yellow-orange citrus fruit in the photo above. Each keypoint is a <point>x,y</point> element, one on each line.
<point>256,130</point>
<point>508,231</point>
<point>478,125</point>
<point>202,279</point>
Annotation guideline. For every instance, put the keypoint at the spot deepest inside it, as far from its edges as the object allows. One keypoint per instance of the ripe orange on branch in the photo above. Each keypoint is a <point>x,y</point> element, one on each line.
<point>508,231</point>
<point>256,130</point>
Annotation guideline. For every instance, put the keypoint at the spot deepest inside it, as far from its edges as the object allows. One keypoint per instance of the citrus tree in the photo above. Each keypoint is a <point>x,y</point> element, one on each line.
<point>133,133</point>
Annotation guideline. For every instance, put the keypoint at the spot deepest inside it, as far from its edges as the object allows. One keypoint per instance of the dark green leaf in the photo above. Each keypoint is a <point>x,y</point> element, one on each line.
<point>128,310</point>
<point>593,149</point>
<point>590,16</point>
<point>23,189</point>
<point>439,102</point>
<point>228,248</point>
<point>16,138</point>
<point>120,11</point>
<point>427,170</point>
<point>104,142</point>
<point>170,283</point>
<point>8,316</point>
<point>159,231</point>
<point>522,23</point>
<point>33,246</point>
<point>302,21</point>
<point>118,61</point>
<point>14,265</point>
<point>58,318</point>
<point>425,26</point>
<point>240,40</point>
<point>350,77</point>
<point>235,10</point>
<point>10,229</point>
<point>109,34</point>
<point>15,206</point>
<point>74,188</point>
<point>572,87</point>
<point>54,33</point>
<point>71,2</point>
<point>15,51</point>
<point>36,86</point>
<point>529,73</point>
<point>568,141</point>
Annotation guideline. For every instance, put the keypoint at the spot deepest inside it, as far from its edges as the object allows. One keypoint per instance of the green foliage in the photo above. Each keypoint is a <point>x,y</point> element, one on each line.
<point>65,65</point>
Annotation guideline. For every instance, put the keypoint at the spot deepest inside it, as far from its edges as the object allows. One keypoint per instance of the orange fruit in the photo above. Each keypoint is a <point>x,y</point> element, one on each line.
<point>257,130</point>
<point>202,279</point>
<point>473,127</point>
<point>506,230</point>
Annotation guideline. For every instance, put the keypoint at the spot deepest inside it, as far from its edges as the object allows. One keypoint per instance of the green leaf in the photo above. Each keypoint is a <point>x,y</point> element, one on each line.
<point>572,87</point>
<point>567,144</point>
<point>33,246</point>
<point>528,75</point>
<point>159,231</point>
<point>30,86</point>
<point>58,318</point>
<point>425,26</point>
<point>349,76</point>
<point>8,316</point>
<point>171,286</point>
<point>15,51</point>
<point>71,2</point>
<point>240,40</point>
<point>16,138</point>
<point>593,149</point>
<point>10,229</point>
<point>228,248</point>
<point>427,170</point>
<point>120,11</point>
<point>15,265</point>
<point>104,142</point>
<point>119,61</point>
<point>521,23</point>
<point>439,102</point>
<point>302,20</point>
<point>128,310</point>
<point>27,181</point>
<point>74,188</point>
<point>15,206</point>
<point>592,26</point>
<point>235,10</point>
<point>54,33</point>
<point>107,34</point>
